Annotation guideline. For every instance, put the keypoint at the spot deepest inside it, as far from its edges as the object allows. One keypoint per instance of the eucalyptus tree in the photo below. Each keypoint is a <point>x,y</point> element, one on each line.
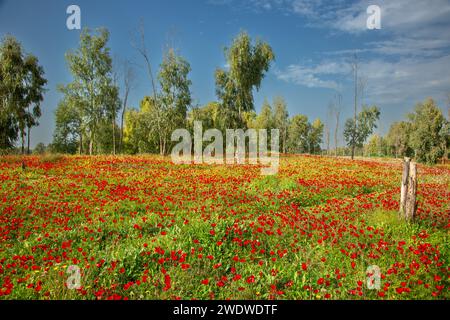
<point>93,85</point>
<point>281,120</point>
<point>429,133</point>
<point>22,87</point>
<point>248,62</point>
<point>357,132</point>
<point>175,96</point>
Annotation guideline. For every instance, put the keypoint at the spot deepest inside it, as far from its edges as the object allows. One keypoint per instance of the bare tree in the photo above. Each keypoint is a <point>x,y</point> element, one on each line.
<point>355,67</point>
<point>115,81</point>
<point>139,44</point>
<point>328,125</point>
<point>337,108</point>
<point>128,78</point>
<point>29,122</point>
<point>448,106</point>
<point>360,84</point>
<point>448,116</point>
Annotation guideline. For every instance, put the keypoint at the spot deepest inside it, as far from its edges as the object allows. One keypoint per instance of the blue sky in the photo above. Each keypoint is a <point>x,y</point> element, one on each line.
<point>313,40</point>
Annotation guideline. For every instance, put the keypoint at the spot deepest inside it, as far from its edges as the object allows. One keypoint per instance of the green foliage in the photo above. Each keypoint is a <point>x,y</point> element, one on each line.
<point>105,141</point>
<point>356,135</point>
<point>304,137</point>
<point>140,134</point>
<point>175,86</point>
<point>272,184</point>
<point>429,132</point>
<point>376,146</point>
<point>248,63</point>
<point>212,116</point>
<point>93,93</point>
<point>9,132</point>
<point>175,98</point>
<point>382,218</point>
<point>264,119</point>
<point>315,135</point>
<point>425,136</point>
<point>281,121</point>
<point>68,133</point>
<point>298,134</point>
<point>398,139</point>
<point>21,92</point>
<point>40,148</point>
<point>149,129</point>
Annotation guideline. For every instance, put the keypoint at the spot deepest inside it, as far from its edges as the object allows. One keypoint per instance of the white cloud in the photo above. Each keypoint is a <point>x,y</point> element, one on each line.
<point>220,2</point>
<point>306,8</point>
<point>313,77</point>
<point>410,46</point>
<point>332,67</point>
<point>400,46</point>
<point>409,61</point>
<point>397,16</point>
<point>413,79</point>
<point>351,16</point>
<point>412,27</point>
<point>410,79</point>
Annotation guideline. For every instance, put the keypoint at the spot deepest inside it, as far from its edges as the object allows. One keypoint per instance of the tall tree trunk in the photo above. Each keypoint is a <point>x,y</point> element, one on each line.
<point>328,141</point>
<point>353,146</point>
<point>336,130</point>
<point>23,148</point>
<point>114,135</point>
<point>23,141</point>
<point>121,128</point>
<point>28,140</point>
<point>164,142</point>
<point>121,134</point>
<point>91,143</point>
<point>81,143</point>
<point>122,119</point>
<point>355,71</point>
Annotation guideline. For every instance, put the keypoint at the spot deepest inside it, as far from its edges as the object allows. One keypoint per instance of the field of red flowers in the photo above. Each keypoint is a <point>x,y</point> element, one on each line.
<point>143,228</point>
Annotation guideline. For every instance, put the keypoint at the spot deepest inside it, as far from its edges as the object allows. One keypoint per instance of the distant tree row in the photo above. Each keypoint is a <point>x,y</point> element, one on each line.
<point>86,117</point>
<point>297,134</point>
<point>93,116</point>
<point>248,61</point>
<point>425,136</point>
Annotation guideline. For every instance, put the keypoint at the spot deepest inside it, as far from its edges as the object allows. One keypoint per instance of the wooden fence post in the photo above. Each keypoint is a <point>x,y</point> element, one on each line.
<point>408,193</point>
<point>404,188</point>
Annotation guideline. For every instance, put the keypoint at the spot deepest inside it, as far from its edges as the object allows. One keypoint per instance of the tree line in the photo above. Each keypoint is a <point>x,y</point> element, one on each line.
<point>424,135</point>
<point>93,117</point>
